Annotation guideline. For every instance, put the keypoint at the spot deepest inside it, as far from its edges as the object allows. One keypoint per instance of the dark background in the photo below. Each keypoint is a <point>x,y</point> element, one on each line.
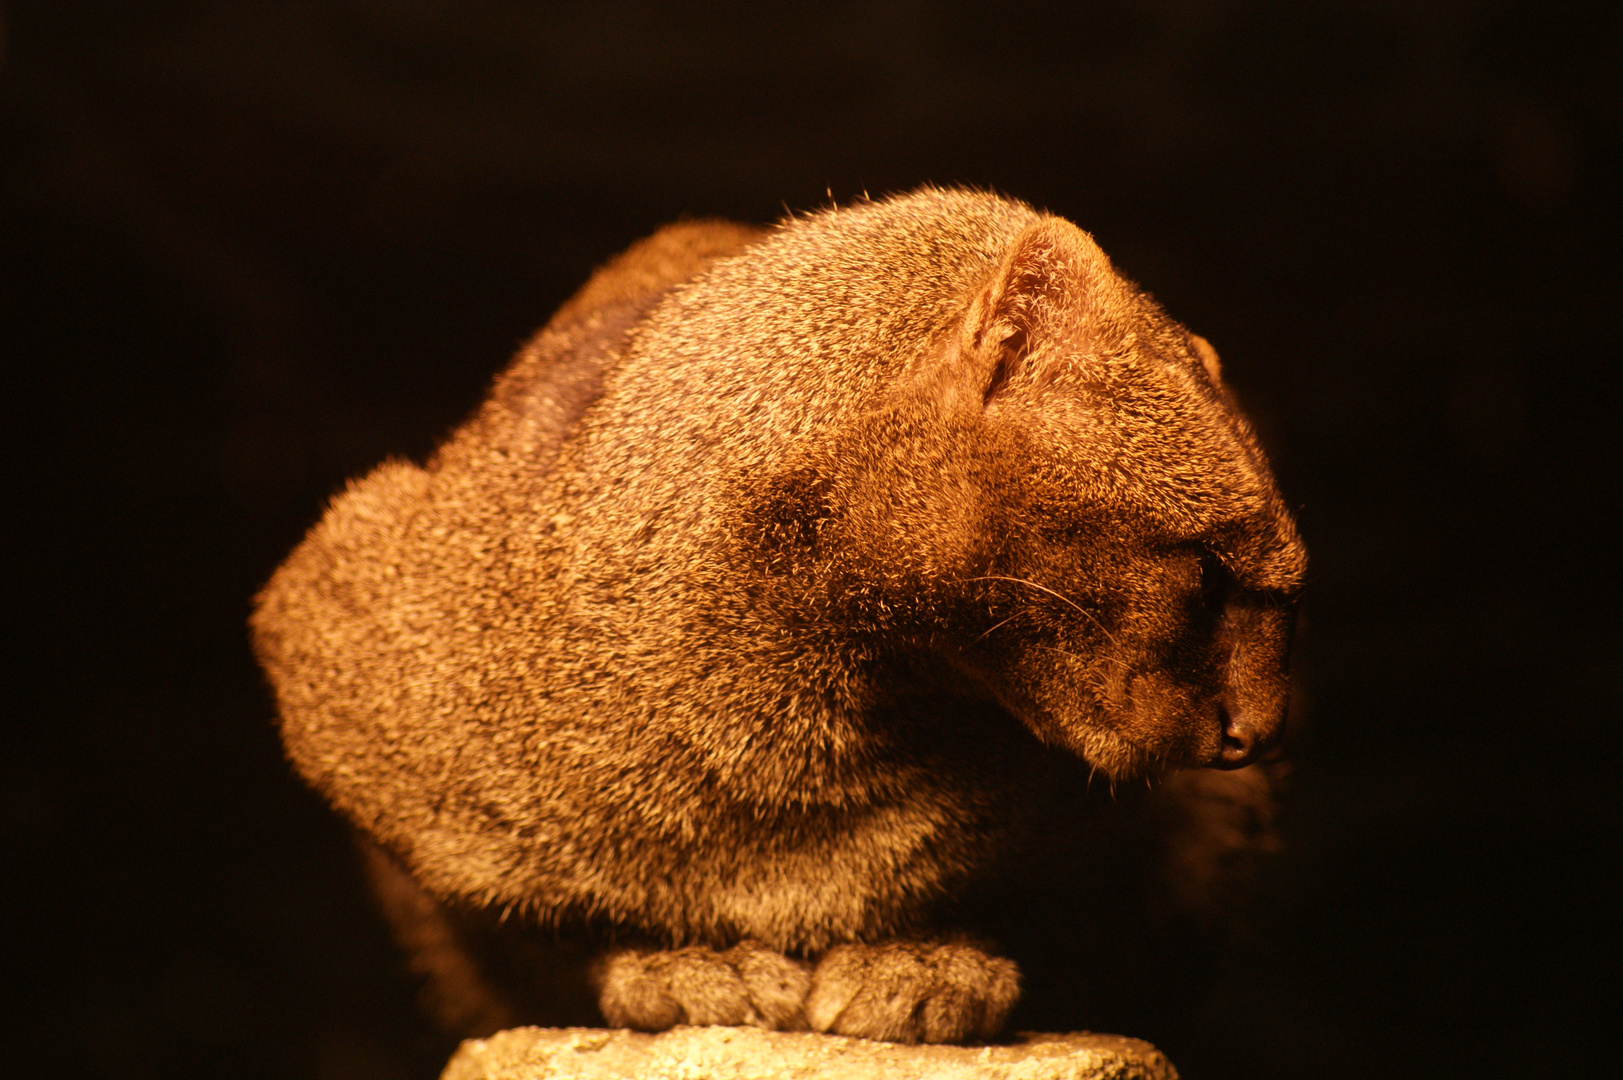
<point>248,250</point>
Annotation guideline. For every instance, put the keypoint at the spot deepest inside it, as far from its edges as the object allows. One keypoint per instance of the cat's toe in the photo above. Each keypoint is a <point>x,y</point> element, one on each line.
<point>632,991</point>
<point>776,986</point>
<point>912,992</point>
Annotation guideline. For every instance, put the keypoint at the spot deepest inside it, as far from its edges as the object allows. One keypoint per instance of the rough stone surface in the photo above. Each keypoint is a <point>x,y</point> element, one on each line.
<point>734,1053</point>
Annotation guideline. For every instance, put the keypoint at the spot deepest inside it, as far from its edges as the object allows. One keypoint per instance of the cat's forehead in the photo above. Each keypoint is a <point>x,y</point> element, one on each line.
<point>1202,476</point>
<point>1154,441</point>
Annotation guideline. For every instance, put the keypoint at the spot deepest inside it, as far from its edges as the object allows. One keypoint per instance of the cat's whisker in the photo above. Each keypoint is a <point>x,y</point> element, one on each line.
<point>994,626</point>
<point>1084,612</point>
<point>1077,656</point>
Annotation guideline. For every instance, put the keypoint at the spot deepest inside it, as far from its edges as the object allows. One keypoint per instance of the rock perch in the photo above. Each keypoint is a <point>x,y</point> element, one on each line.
<point>737,1053</point>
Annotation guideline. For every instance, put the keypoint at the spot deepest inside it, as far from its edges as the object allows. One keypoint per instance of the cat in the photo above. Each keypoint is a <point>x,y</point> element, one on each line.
<point>780,603</point>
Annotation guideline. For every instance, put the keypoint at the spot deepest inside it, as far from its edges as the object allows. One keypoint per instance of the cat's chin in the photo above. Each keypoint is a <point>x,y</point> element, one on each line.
<point>1098,740</point>
<point>1111,755</point>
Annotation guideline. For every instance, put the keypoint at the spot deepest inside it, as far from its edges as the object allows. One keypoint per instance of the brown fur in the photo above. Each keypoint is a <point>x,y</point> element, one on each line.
<point>749,611</point>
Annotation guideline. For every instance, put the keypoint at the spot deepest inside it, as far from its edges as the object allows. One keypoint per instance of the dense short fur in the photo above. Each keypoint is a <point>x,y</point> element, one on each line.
<point>777,599</point>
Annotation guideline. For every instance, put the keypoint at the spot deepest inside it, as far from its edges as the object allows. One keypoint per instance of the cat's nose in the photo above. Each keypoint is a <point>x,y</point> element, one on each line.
<point>1244,740</point>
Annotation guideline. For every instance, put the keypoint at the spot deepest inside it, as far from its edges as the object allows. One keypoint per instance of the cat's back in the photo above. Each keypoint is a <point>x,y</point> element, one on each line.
<point>394,608</point>
<point>811,325</point>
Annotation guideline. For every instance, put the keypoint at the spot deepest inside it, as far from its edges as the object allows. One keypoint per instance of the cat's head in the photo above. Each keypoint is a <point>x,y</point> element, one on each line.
<point>1064,503</point>
<point>1129,485</point>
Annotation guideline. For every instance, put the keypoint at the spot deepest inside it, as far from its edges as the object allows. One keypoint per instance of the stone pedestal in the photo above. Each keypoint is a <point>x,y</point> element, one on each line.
<point>737,1053</point>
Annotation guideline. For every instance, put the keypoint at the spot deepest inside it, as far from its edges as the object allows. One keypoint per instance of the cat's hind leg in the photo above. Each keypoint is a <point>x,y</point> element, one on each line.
<point>747,984</point>
<point>909,991</point>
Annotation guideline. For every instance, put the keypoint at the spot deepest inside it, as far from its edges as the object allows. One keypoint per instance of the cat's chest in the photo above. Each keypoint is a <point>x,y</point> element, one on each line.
<point>804,884</point>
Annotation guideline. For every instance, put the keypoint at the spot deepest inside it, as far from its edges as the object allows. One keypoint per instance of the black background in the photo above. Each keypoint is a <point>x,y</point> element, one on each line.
<point>251,249</point>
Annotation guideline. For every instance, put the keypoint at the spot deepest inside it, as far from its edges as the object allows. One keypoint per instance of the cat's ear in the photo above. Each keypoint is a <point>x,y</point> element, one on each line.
<point>1208,359</point>
<point>1031,316</point>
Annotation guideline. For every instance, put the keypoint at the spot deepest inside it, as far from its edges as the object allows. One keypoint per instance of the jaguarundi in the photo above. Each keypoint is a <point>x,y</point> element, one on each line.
<point>796,595</point>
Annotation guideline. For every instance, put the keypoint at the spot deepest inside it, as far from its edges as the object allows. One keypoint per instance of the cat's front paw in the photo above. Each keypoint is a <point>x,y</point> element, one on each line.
<point>904,991</point>
<point>747,984</point>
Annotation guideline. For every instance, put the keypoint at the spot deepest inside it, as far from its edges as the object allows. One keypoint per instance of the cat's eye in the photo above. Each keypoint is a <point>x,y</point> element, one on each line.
<point>1215,580</point>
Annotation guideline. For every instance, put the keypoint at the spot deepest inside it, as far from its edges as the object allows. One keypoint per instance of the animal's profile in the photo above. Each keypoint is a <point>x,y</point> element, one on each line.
<point>779,604</point>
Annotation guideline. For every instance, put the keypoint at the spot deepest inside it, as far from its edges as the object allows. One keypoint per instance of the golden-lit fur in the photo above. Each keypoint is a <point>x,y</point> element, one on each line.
<point>748,612</point>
